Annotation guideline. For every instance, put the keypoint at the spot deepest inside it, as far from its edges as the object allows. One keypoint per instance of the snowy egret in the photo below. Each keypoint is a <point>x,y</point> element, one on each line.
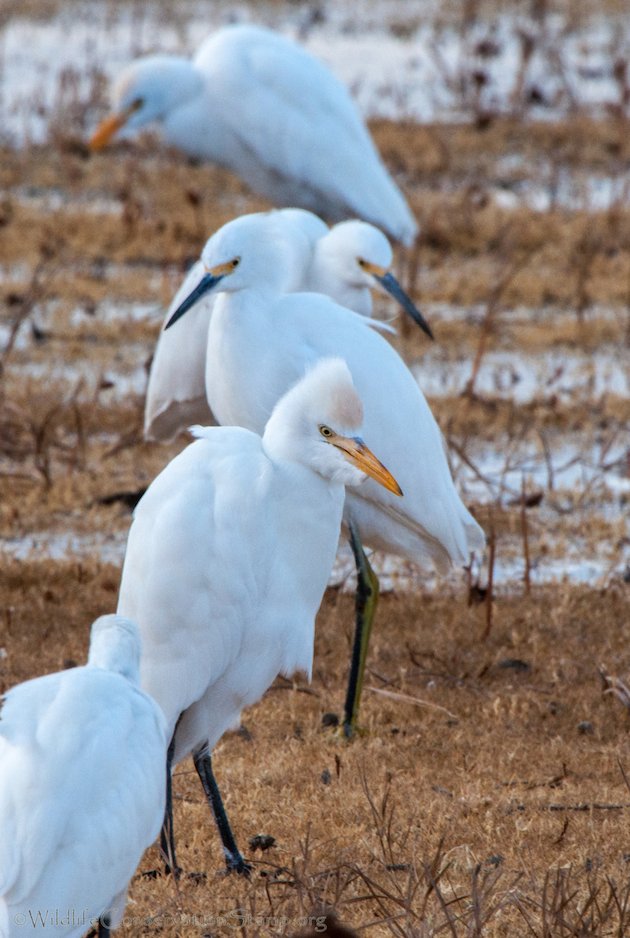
<point>346,262</point>
<point>82,788</point>
<point>350,261</point>
<point>261,339</point>
<point>176,392</point>
<point>255,102</point>
<point>228,557</point>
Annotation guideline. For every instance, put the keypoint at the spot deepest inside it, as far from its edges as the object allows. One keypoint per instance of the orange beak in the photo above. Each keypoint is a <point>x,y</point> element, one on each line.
<point>106,130</point>
<point>358,453</point>
<point>111,125</point>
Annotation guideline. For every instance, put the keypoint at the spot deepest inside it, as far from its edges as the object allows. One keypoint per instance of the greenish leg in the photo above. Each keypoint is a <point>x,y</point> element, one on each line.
<point>365,609</point>
<point>167,837</point>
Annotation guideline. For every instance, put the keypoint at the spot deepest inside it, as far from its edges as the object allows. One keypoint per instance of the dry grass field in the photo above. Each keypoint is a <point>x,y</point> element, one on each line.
<point>489,794</point>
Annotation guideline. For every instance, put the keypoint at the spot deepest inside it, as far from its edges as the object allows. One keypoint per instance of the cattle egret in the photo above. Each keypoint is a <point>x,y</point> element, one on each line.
<point>254,102</point>
<point>260,341</point>
<point>346,262</point>
<point>82,789</point>
<point>228,558</point>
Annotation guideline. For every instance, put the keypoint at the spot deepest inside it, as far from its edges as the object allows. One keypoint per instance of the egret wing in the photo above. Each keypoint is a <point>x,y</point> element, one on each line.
<point>192,546</point>
<point>398,426</point>
<point>298,120</point>
<point>86,786</point>
<point>176,391</point>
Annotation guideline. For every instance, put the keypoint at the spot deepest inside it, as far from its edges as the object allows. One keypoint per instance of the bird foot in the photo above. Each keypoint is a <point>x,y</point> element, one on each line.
<point>235,863</point>
<point>348,731</point>
<point>343,731</point>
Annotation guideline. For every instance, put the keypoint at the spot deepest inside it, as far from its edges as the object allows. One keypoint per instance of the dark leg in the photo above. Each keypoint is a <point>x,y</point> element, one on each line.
<point>167,837</point>
<point>365,608</point>
<point>233,858</point>
<point>103,927</point>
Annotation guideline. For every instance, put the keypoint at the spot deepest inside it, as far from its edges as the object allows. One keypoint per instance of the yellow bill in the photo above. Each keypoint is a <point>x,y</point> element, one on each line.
<point>106,130</point>
<point>111,125</point>
<point>364,459</point>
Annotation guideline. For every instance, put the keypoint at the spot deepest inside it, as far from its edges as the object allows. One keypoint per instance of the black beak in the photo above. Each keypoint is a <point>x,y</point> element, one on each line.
<point>205,284</point>
<point>394,289</point>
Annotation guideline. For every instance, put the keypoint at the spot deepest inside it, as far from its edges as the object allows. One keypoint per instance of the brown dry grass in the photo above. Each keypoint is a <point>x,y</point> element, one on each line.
<point>153,212</point>
<point>451,10</point>
<point>489,783</point>
<point>488,795</point>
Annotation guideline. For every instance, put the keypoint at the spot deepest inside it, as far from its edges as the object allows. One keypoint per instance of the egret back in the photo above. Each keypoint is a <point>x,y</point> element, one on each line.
<point>81,790</point>
<point>257,349</point>
<point>296,135</point>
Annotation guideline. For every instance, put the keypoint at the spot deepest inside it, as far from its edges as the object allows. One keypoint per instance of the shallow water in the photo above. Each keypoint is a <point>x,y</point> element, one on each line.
<point>579,567</point>
<point>64,545</point>
<point>582,488</point>
<point>118,380</point>
<point>588,479</point>
<point>523,378</point>
<point>566,374</point>
<point>581,564</point>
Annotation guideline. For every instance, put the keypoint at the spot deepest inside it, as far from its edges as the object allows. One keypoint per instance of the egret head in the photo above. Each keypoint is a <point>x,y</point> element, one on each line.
<point>317,423</point>
<point>145,93</point>
<point>252,251</point>
<point>360,255</point>
<point>357,250</point>
<point>115,646</point>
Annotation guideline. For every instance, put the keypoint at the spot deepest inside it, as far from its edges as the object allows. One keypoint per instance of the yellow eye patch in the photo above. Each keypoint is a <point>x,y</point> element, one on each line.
<point>372,268</point>
<point>221,270</point>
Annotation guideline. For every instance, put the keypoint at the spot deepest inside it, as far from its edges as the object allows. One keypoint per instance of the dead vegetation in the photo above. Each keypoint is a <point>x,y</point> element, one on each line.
<point>489,794</point>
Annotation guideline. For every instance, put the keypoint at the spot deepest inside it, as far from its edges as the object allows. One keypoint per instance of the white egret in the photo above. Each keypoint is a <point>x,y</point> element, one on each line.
<point>351,260</point>
<point>82,789</point>
<point>346,262</point>
<point>257,103</point>
<point>228,557</point>
<point>176,393</point>
<point>261,339</point>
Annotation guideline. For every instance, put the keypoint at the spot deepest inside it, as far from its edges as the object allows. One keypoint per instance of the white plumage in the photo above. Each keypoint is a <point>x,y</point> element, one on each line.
<point>261,340</point>
<point>257,103</point>
<point>230,551</point>
<point>176,391</point>
<point>346,263</point>
<point>82,788</point>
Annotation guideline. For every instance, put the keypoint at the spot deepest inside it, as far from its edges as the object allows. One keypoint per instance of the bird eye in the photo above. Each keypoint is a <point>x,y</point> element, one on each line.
<point>137,104</point>
<point>361,262</point>
<point>236,262</point>
<point>325,431</point>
